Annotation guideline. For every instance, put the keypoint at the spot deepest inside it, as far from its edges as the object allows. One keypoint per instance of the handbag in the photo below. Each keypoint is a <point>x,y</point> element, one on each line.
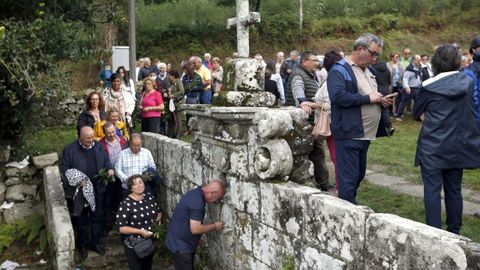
<point>143,247</point>
<point>321,130</point>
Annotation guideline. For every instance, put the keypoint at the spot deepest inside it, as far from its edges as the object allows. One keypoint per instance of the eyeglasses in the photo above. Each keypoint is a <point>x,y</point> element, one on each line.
<point>373,53</point>
<point>314,60</point>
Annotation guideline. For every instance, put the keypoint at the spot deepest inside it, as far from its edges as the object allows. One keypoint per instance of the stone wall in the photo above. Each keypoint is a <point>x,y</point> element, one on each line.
<point>37,189</point>
<point>58,220</point>
<point>269,223</point>
<point>56,111</point>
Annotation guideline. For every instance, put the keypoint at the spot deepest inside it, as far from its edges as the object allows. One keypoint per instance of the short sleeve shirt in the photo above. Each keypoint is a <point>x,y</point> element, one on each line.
<point>137,214</point>
<point>367,84</point>
<point>191,207</point>
<point>205,74</point>
<point>153,99</point>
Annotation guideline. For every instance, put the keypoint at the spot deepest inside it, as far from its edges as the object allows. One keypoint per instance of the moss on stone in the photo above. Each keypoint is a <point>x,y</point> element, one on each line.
<point>220,99</point>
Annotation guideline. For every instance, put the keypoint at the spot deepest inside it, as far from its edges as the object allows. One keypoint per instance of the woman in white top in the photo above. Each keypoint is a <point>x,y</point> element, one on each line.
<point>127,83</point>
<point>322,100</point>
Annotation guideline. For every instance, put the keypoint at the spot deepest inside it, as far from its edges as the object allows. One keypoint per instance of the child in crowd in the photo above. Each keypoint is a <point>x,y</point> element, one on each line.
<point>114,117</point>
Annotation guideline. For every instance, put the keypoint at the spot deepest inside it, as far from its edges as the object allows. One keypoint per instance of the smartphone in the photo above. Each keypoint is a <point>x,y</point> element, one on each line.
<point>391,95</point>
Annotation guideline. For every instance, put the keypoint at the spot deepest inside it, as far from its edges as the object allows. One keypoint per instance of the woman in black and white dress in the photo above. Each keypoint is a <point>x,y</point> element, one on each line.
<point>135,217</point>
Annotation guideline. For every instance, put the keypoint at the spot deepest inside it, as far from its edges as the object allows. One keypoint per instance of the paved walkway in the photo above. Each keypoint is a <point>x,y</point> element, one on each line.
<point>471,198</point>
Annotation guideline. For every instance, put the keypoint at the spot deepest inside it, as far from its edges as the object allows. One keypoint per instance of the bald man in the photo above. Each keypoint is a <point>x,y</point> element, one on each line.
<point>187,226</point>
<point>88,157</point>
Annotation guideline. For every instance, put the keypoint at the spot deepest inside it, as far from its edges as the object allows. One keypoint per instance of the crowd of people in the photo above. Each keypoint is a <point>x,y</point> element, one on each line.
<point>111,180</point>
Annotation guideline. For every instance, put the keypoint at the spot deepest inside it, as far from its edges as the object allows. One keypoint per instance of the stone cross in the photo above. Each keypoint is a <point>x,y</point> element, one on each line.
<point>244,19</point>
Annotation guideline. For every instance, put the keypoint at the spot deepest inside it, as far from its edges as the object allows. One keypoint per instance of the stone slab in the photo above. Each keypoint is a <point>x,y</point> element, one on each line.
<point>397,243</point>
<point>45,160</point>
<point>19,193</point>
<point>337,227</point>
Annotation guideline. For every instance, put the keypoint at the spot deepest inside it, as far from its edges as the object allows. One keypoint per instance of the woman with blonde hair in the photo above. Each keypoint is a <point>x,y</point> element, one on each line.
<point>151,106</point>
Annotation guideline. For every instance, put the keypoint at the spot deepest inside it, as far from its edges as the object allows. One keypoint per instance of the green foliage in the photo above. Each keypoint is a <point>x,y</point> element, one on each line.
<point>34,230</point>
<point>182,24</point>
<point>46,141</point>
<point>31,229</point>
<point>7,232</point>
<point>288,263</point>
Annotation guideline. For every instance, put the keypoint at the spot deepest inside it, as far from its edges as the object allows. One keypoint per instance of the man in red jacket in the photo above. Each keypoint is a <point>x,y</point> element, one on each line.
<point>113,144</point>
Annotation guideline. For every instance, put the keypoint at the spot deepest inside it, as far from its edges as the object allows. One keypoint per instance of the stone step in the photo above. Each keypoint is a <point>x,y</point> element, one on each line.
<point>114,258</point>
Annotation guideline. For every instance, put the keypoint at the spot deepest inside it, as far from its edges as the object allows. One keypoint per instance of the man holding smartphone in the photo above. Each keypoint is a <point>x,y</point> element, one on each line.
<point>356,112</point>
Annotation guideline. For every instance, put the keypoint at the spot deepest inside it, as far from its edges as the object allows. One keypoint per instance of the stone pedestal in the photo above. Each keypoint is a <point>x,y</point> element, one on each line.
<point>251,143</point>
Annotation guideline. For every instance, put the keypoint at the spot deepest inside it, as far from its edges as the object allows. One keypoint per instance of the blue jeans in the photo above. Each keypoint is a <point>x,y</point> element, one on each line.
<point>405,99</point>
<point>206,97</point>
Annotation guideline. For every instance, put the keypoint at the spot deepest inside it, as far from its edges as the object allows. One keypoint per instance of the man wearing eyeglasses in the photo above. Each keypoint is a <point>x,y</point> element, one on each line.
<point>406,58</point>
<point>356,111</point>
<point>301,89</point>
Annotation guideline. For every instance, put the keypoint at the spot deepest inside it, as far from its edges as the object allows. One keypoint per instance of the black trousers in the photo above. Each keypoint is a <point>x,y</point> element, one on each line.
<point>183,261</point>
<point>135,263</point>
<point>320,170</point>
<point>151,124</point>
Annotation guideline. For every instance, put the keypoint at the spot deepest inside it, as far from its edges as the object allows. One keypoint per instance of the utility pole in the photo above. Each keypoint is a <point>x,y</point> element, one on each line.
<point>301,14</point>
<point>131,39</point>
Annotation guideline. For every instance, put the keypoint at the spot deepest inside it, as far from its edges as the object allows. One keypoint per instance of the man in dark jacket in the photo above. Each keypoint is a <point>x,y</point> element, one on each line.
<point>89,158</point>
<point>113,145</point>
<point>449,140</point>
<point>301,90</point>
<point>355,112</point>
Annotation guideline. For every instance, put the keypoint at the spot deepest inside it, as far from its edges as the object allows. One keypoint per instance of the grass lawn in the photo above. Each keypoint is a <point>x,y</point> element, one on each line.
<point>397,154</point>
<point>47,141</point>
<point>384,200</point>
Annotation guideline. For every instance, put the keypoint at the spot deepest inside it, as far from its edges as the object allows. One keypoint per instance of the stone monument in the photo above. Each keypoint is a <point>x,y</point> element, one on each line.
<point>241,135</point>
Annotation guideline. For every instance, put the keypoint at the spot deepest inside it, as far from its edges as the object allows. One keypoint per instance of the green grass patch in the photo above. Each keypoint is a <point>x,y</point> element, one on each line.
<point>397,153</point>
<point>384,200</point>
<point>46,141</point>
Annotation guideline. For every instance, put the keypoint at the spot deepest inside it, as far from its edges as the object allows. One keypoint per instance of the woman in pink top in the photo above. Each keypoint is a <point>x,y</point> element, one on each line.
<point>151,105</point>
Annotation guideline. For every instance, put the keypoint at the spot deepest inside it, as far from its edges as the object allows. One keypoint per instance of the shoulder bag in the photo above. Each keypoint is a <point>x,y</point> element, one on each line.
<point>321,130</point>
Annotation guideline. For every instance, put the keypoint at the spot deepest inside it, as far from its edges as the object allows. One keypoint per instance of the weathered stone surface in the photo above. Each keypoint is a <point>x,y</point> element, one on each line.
<point>3,189</point>
<point>11,172</point>
<point>337,227</point>
<point>28,171</point>
<point>396,243</point>
<point>244,232</point>
<point>21,193</point>
<point>13,181</point>
<point>58,219</point>
<point>269,245</point>
<point>45,160</point>
<point>245,197</point>
<point>149,141</point>
<point>283,206</point>
<point>472,251</point>
<point>273,158</point>
<point>273,122</point>
<point>312,259</point>
<point>244,74</point>
<point>20,211</point>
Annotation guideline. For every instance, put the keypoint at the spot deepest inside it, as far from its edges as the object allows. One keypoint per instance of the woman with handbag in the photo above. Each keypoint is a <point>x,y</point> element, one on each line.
<point>135,217</point>
<point>323,112</point>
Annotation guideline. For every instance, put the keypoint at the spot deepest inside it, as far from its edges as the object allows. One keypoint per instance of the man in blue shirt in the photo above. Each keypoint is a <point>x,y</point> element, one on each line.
<point>187,226</point>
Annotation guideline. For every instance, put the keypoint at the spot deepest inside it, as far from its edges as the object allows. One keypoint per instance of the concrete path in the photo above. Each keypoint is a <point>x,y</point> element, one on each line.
<point>376,175</point>
<point>471,198</point>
